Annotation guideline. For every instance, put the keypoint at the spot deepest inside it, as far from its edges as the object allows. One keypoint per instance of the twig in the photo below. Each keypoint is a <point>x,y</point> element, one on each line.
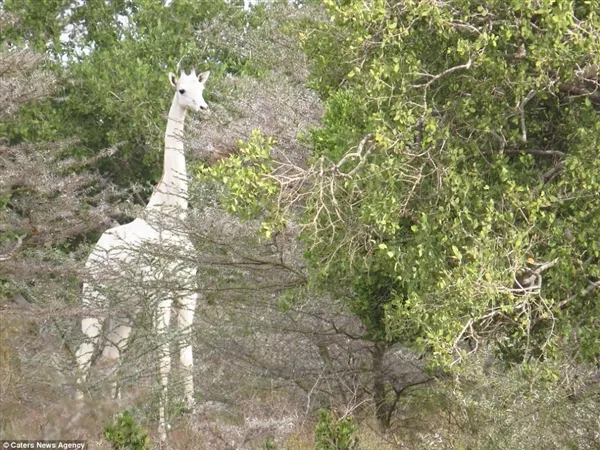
<point>590,287</point>
<point>575,90</point>
<point>444,73</point>
<point>465,26</point>
<point>552,172</point>
<point>179,64</point>
<point>545,266</point>
<point>9,255</point>
<point>116,96</point>
<point>538,152</point>
<point>522,105</point>
<point>357,154</point>
<point>461,334</point>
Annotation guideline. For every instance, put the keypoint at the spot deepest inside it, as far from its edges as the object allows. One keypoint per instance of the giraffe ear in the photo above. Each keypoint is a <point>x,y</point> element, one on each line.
<point>172,79</point>
<point>203,76</point>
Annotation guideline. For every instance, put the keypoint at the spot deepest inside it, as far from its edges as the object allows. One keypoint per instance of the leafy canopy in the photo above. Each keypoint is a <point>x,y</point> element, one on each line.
<point>454,191</point>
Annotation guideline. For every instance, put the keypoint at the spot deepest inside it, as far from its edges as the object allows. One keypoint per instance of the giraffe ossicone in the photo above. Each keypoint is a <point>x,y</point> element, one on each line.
<point>122,255</point>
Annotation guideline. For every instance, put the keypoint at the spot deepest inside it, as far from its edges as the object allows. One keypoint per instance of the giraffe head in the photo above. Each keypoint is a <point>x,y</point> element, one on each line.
<point>189,89</point>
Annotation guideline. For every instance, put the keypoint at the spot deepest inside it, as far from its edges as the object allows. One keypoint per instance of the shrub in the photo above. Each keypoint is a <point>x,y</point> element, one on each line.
<point>332,433</point>
<point>125,433</point>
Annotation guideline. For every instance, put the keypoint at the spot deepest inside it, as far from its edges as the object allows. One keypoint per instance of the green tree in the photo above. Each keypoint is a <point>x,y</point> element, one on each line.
<point>453,197</point>
<point>476,203</point>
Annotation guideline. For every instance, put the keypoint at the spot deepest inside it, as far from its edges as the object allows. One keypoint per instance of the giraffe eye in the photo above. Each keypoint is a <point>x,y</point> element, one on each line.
<point>182,91</point>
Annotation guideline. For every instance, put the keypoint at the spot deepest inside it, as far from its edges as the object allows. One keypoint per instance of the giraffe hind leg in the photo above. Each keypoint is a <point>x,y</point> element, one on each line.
<point>185,320</point>
<point>162,323</point>
<point>116,343</point>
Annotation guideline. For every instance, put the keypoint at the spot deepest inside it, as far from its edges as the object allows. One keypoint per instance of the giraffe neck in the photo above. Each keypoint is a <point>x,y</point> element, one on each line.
<point>173,185</point>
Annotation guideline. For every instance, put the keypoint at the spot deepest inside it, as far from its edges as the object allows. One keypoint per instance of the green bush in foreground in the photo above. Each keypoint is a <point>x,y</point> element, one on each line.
<point>125,434</point>
<point>332,433</point>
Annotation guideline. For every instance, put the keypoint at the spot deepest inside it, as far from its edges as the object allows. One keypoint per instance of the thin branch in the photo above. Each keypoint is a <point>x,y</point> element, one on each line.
<point>357,154</point>
<point>10,254</point>
<point>465,66</point>
<point>522,105</point>
<point>553,172</point>
<point>465,26</point>
<point>570,89</point>
<point>538,152</point>
<point>398,393</point>
<point>590,287</point>
<point>541,267</point>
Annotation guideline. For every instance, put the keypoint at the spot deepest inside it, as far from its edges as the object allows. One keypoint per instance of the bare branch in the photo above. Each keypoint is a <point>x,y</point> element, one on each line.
<point>590,287</point>
<point>570,89</point>
<point>357,154</point>
<point>538,152</point>
<point>547,176</point>
<point>10,253</point>
<point>465,66</point>
<point>522,105</point>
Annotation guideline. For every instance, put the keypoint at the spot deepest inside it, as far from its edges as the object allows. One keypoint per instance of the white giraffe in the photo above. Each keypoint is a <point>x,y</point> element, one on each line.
<point>118,251</point>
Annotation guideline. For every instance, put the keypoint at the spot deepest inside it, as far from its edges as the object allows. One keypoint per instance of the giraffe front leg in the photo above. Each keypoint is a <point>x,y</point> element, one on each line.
<point>91,327</point>
<point>162,324</point>
<point>185,320</point>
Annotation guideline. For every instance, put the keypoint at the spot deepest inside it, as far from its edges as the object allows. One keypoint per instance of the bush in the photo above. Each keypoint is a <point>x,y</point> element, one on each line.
<point>125,433</point>
<point>530,406</point>
<point>332,433</point>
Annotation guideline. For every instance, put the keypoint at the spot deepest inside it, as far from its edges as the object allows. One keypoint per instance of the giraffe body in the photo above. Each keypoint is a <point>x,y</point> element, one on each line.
<point>133,252</point>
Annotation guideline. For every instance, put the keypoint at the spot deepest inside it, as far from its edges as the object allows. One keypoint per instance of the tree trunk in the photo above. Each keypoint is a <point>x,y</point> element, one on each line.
<point>382,406</point>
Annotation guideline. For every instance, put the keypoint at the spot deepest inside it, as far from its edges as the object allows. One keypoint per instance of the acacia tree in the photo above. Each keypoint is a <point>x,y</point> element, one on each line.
<point>453,198</point>
<point>47,198</point>
<point>48,201</point>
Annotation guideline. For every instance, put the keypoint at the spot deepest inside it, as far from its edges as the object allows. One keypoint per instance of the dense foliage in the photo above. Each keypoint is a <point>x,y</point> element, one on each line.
<point>458,196</point>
